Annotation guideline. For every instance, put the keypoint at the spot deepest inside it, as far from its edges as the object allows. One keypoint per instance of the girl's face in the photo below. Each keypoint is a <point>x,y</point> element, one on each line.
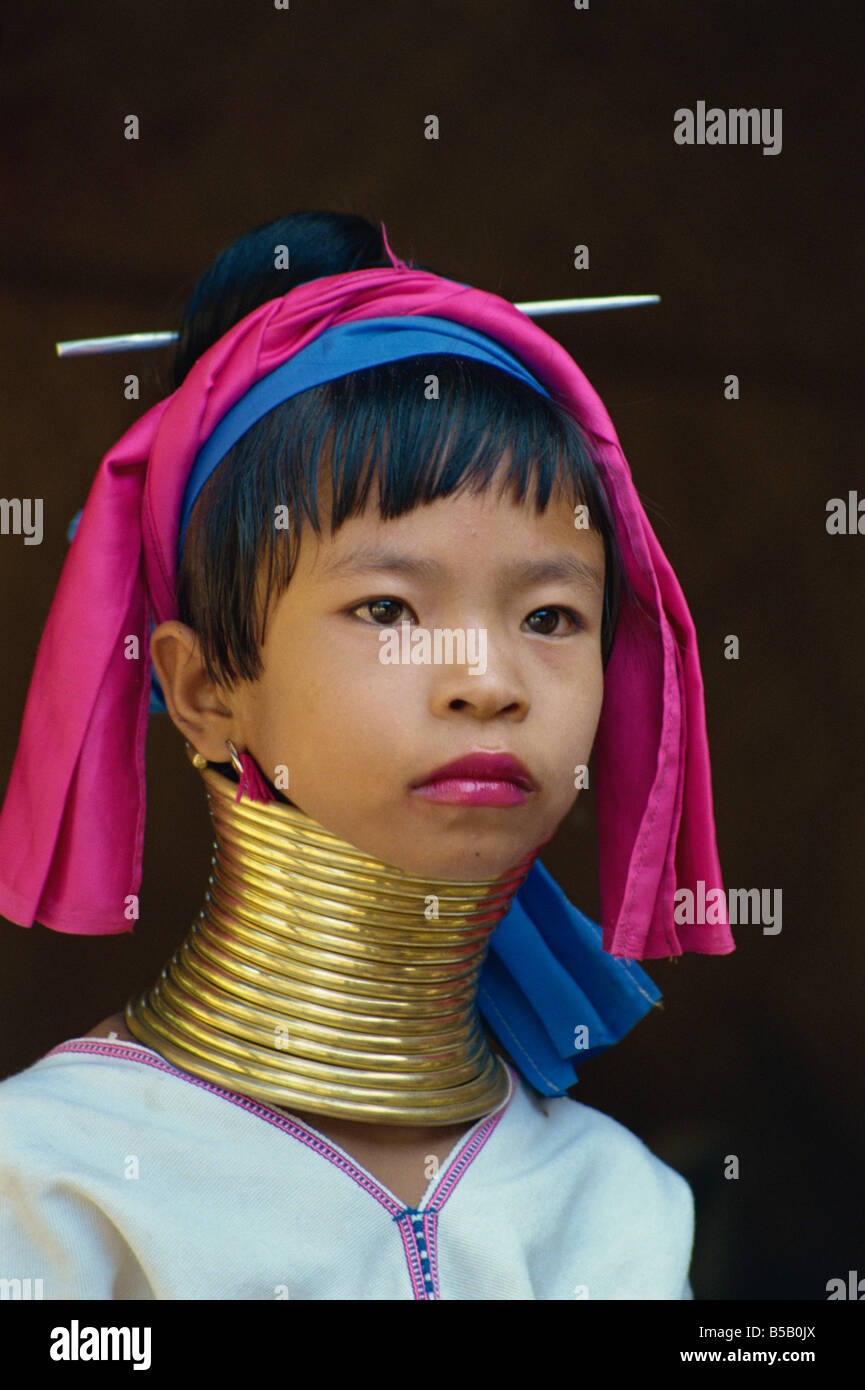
<point>359,734</point>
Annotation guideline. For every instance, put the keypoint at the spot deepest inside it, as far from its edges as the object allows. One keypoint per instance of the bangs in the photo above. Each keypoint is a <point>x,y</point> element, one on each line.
<point>395,437</point>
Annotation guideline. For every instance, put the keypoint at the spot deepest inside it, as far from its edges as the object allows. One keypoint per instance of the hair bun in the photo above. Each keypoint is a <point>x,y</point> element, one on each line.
<point>253,270</point>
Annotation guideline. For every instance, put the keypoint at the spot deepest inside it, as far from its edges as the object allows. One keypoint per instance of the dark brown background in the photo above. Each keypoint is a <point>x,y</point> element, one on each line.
<point>556,128</point>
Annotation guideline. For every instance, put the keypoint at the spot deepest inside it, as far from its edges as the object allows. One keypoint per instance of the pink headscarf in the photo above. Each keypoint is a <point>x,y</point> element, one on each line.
<point>72,824</point>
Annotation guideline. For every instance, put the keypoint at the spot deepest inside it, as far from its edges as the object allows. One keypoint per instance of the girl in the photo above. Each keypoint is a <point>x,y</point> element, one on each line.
<point>397,585</point>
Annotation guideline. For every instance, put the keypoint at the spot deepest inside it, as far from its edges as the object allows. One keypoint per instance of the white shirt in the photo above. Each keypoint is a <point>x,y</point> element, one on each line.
<point>122,1177</point>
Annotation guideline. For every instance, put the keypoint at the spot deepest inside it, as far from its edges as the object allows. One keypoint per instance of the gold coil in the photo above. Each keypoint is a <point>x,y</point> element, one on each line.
<point>314,980</point>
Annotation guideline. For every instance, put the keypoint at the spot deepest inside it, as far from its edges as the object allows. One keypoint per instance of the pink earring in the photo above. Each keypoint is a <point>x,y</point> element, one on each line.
<point>252,783</point>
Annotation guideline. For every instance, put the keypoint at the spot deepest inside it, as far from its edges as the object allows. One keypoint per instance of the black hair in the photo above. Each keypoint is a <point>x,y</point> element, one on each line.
<point>375,426</point>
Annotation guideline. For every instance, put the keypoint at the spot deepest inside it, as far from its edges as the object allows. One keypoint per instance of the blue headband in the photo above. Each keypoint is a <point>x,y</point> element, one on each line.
<point>338,351</point>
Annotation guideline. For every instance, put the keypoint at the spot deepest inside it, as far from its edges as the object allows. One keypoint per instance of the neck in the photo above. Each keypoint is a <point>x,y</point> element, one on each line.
<point>320,978</point>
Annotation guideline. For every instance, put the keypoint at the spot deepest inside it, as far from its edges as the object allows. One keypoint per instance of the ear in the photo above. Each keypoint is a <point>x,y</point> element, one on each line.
<point>199,708</point>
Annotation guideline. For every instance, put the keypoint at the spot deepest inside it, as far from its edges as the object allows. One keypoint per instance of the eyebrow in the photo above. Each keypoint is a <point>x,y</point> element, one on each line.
<point>562,566</point>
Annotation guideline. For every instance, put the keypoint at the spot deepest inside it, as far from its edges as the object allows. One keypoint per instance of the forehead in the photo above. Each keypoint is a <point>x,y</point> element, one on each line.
<point>465,531</point>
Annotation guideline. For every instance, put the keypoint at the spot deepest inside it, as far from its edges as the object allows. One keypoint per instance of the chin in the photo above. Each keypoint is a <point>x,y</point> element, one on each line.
<point>462,864</point>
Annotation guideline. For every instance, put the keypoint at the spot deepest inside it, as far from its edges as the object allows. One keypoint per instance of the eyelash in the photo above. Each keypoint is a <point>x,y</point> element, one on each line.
<point>577,623</point>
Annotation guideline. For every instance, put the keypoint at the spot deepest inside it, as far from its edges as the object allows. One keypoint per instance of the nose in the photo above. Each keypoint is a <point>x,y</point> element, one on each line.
<point>496,691</point>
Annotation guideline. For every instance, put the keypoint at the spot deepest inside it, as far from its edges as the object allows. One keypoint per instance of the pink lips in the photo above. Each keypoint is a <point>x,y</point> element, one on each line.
<point>478,779</point>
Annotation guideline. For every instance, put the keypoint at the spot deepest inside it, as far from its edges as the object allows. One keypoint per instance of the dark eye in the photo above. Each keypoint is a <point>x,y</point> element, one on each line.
<point>384,611</point>
<point>549,618</point>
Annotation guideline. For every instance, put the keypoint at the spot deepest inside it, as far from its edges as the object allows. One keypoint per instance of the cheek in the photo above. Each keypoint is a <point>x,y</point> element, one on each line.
<point>596,689</point>
<point>325,696</point>
<point>577,691</point>
<point>583,714</point>
<point>594,705</point>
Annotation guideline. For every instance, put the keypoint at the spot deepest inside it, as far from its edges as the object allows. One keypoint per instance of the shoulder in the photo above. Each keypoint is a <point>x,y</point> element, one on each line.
<point>112,1027</point>
<point>61,1177</point>
<point>44,1078</point>
<point>595,1157</point>
<point>595,1199</point>
<point>41,1077</point>
<point>75,1092</point>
